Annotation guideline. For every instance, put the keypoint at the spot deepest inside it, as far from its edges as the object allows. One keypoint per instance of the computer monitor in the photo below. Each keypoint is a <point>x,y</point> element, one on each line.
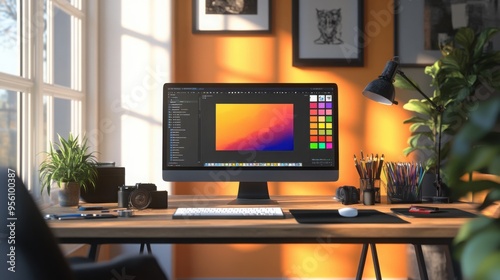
<point>251,133</point>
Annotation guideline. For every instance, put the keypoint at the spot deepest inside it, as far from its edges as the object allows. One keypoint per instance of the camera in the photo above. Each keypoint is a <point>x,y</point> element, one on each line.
<point>348,195</point>
<point>142,196</point>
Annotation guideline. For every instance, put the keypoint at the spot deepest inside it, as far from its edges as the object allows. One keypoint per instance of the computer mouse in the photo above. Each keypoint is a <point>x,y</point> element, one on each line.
<point>348,212</point>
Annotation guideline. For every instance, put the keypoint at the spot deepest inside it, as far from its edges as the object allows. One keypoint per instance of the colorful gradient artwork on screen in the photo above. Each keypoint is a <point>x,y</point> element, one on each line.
<point>254,127</point>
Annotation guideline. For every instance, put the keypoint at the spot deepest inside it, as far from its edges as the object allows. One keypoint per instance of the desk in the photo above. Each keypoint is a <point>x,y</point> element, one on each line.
<point>157,226</point>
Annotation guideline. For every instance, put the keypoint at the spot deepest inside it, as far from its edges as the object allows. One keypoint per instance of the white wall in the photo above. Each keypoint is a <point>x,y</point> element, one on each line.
<point>134,63</point>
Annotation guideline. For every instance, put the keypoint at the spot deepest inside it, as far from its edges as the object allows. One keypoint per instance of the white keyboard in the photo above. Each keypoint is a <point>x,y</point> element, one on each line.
<point>229,213</point>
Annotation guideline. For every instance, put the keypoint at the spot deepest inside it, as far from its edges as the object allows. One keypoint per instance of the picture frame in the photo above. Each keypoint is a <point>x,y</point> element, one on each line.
<point>249,16</point>
<point>315,44</point>
<point>415,21</point>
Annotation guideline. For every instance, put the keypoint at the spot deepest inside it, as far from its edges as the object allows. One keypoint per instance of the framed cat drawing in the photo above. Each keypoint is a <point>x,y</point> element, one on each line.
<point>327,32</point>
<point>232,16</point>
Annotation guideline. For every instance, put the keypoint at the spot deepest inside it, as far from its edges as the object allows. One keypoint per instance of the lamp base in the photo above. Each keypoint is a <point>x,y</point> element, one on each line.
<point>436,199</point>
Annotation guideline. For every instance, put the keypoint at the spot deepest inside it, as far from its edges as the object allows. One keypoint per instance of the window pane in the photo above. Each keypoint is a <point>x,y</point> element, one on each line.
<point>62,48</point>
<point>62,117</point>
<point>58,119</point>
<point>45,119</point>
<point>9,37</point>
<point>8,128</point>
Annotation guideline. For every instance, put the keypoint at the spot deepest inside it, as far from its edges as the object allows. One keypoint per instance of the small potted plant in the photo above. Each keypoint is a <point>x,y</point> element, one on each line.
<point>70,165</point>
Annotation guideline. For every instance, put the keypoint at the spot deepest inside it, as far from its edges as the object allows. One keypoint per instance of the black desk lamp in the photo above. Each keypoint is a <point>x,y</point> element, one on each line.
<point>382,90</point>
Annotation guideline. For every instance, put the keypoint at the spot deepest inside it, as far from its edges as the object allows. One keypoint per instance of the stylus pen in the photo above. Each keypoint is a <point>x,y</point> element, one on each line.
<point>70,216</point>
<point>64,216</point>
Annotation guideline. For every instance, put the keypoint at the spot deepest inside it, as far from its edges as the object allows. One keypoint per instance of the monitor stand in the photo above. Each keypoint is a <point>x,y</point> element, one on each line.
<point>251,193</point>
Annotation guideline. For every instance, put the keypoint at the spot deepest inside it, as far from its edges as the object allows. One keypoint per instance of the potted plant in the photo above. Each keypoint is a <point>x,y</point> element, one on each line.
<point>70,165</point>
<point>467,70</point>
<point>476,148</point>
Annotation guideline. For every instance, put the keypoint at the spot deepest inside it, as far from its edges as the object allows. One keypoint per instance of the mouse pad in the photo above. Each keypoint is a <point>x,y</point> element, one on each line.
<point>332,216</point>
<point>442,213</point>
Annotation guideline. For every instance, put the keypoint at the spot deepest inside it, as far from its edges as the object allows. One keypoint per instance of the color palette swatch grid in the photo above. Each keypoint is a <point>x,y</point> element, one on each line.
<point>321,122</point>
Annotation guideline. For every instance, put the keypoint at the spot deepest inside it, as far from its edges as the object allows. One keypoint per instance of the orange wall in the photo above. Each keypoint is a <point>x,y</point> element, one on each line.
<point>364,125</point>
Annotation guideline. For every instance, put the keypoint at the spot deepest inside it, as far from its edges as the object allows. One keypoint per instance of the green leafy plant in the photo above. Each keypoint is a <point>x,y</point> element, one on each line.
<point>476,148</point>
<point>68,161</point>
<point>460,78</point>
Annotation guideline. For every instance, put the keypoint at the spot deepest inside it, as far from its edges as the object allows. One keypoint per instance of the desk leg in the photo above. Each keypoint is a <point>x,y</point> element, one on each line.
<point>457,270</point>
<point>148,248</point>
<point>362,259</point>
<point>421,262</point>
<point>93,251</point>
<point>376,266</point>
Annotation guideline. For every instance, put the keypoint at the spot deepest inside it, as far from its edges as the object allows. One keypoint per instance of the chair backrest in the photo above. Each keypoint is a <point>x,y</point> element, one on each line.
<point>28,250</point>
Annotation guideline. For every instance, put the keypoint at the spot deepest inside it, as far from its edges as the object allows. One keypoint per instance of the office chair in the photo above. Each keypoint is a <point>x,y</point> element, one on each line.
<point>29,250</point>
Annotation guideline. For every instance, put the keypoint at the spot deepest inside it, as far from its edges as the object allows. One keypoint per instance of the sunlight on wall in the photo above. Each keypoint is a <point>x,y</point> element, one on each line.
<point>237,56</point>
<point>363,123</point>
<point>157,24</point>
<point>132,19</point>
<point>134,63</point>
<point>385,128</point>
<point>141,105</point>
<point>144,69</point>
<point>341,260</point>
<point>243,248</point>
<point>318,260</point>
<point>387,133</point>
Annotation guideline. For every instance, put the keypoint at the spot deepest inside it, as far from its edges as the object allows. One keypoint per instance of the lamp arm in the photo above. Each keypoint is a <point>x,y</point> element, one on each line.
<point>440,109</point>
<point>439,182</point>
<point>402,74</point>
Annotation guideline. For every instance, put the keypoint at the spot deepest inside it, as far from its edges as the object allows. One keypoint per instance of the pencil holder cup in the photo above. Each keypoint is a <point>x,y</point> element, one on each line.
<point>403,193</point>
<point>369,191</point>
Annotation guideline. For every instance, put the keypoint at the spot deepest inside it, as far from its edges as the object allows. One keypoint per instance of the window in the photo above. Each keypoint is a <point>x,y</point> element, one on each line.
<point>41,74</point>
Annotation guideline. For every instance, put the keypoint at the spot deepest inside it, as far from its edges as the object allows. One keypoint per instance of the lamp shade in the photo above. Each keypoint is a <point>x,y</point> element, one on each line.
<point>382,90</point>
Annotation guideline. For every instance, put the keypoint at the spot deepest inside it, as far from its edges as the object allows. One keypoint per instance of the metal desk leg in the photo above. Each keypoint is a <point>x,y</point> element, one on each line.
<point>376,266</point>
<point>362,259</point>
<point>93,251</point>
<point>421,262</point>
<point>148,248</point>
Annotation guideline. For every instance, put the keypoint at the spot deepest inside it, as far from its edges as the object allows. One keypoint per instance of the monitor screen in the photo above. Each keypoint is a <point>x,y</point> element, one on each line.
<point>250,133</point>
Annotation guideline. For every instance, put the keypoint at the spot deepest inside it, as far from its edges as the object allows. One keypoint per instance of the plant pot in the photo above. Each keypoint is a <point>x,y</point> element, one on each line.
<point>69,194</point>
<point>429,192</point>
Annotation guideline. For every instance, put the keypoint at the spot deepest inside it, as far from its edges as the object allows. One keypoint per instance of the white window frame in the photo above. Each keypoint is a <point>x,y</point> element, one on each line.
<point>32,140</point>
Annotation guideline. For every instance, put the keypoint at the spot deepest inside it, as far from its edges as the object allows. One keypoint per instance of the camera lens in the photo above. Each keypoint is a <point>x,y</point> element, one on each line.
<point>123,196</point>
<point>140,199</point>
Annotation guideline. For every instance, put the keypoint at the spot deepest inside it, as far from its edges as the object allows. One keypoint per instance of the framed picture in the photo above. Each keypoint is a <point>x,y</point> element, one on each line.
<point>220,16</point>
<point>327,32</point>
<point>420,27</point>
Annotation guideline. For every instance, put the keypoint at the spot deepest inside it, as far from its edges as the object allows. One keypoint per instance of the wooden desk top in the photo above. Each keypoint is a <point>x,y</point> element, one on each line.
<point>158,226</point>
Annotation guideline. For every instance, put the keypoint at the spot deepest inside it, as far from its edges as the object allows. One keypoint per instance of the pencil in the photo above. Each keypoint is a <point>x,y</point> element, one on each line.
<point>356,164</point>
<point>381,163</point>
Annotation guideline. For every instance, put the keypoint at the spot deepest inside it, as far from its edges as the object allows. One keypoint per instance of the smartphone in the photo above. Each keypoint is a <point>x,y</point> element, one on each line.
<point>423,209</point>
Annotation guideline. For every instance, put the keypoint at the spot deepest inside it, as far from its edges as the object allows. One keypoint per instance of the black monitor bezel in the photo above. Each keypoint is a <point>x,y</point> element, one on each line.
<point>251,174</point>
